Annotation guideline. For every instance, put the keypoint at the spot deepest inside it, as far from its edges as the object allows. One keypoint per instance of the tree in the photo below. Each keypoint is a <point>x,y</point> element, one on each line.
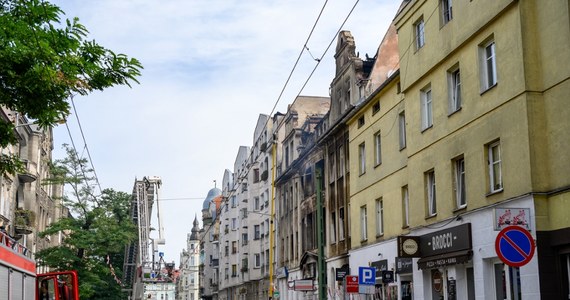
<point>95,233</point>
<point>44,62</point>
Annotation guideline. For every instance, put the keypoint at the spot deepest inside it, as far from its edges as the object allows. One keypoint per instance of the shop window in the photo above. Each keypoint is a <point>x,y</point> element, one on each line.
<point>507,282</point>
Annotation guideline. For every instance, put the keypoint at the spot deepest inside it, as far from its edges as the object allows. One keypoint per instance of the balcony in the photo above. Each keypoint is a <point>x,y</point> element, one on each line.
<point>24,221</point>
<point>29,172</point>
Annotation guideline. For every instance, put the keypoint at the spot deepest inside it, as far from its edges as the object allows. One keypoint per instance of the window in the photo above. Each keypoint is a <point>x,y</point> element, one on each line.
<point>459,182</point>
<point>256,260</point>
<point>244,239</point>
<point>234,199</point>
<point>362,158</point>
<point>402,127</point>
<point>430,189</point>
<point>256,203</point>
<point>333,227</point>
<point>291,149</point>
<point>360,121</point>
<point>234,247</point>
<point>286,156</point>
<point>379,217</point>
<point>375,107</point>
<point>341,224</point>
<point>348,93</point>
<point>427,116</point>
<point>405,206</point>
<point>488,65</point>
<point>234,270</point>
<point>494,160</point>
<point>234,224</point>
<point>446,11</point>
<point>377,148</point>
<point>341,161</point>
<point>454,82</point>
<point>419,34</point>
<point>332,167</point>
<point>256,232</point>
<point>363,224</point>
<point>255,175</point>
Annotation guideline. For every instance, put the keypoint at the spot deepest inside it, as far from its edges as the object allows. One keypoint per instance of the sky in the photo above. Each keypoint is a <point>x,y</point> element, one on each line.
<point>210,68</point>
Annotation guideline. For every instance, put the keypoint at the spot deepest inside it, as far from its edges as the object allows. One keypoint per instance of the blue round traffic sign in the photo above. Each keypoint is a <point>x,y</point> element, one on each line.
<point>515,246</point>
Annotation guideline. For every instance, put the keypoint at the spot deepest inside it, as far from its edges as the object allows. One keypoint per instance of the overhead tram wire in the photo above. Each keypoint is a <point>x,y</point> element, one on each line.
<point>281,94</point>
<point>298,59</point>
<point>85,143</point>
<point>318,60</point>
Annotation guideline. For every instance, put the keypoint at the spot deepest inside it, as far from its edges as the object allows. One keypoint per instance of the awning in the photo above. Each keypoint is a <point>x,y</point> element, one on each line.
<point>452,258</point>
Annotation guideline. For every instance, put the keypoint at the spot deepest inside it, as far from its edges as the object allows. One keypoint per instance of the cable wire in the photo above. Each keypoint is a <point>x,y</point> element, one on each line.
<point>318,60</point>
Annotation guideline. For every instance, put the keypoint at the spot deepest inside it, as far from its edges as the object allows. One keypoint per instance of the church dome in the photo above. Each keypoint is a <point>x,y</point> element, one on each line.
<point>211,195</point>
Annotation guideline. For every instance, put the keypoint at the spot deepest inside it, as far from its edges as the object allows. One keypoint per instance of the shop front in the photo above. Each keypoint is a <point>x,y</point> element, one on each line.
<point>404,270</point>
<point>446,258</point>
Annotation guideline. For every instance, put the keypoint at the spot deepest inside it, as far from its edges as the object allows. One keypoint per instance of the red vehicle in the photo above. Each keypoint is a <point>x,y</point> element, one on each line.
<point>19,281</point>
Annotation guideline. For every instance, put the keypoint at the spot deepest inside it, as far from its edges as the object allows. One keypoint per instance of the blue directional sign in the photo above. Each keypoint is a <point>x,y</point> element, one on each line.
<point>515,246</point>
<point>367,275</point>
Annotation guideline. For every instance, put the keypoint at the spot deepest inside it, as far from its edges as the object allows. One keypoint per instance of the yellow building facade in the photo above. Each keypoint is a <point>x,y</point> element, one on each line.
<point>469,136</point>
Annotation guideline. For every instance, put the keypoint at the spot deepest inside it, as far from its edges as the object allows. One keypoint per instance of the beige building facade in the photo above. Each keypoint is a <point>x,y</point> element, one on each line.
<point>472,139</point>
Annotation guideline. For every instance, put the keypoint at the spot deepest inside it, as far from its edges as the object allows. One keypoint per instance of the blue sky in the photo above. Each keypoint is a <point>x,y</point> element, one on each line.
<point>211,67</point>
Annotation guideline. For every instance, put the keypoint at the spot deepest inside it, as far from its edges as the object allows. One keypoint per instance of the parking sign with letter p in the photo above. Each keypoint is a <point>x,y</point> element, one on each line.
<point>367,275</point>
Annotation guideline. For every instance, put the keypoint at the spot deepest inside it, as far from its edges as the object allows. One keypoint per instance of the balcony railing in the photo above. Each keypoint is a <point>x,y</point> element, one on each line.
<point>24,221</point>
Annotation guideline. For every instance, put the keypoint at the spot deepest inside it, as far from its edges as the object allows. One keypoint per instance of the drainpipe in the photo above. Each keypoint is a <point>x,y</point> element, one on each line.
<point>271,219</point>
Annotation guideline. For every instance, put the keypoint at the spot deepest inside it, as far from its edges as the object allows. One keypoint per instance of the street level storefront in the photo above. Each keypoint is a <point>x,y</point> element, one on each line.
<point>381,256</point>
<point>444,254</point>
<point>457,259</point>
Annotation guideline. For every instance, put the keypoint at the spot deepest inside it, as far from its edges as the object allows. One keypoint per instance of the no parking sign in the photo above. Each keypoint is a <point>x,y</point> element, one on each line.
<point>514,246</point>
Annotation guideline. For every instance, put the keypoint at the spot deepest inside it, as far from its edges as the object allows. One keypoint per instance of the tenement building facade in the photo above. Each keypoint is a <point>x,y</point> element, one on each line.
<point>455,130</point>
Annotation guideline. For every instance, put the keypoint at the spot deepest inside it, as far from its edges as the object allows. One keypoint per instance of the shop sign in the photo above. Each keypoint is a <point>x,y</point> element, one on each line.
<point>408,246</point>
<point>380,265</point>
<point>444,241</point>
<point>342,272</point>
<point>512,217</point>
<point>404,265</point>
<point>442,260</point>
<point>304,285</point>
<point>387,276</point>
<point>451,289</point>
<point>351,284</point>
<point>437,281</point>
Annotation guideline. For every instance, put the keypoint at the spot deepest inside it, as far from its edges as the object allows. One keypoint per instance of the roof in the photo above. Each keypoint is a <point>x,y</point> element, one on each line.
<point>211,195</point>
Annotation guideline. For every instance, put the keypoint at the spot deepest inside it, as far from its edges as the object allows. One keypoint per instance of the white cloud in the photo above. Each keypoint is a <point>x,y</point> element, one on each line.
<point>211,67</point>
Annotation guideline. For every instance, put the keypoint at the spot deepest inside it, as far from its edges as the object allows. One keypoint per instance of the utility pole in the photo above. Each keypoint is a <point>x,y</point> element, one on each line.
<point>320,238</point>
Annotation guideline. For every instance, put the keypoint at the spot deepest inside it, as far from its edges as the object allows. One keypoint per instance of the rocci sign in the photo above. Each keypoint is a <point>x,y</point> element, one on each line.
<point>444,241</point>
